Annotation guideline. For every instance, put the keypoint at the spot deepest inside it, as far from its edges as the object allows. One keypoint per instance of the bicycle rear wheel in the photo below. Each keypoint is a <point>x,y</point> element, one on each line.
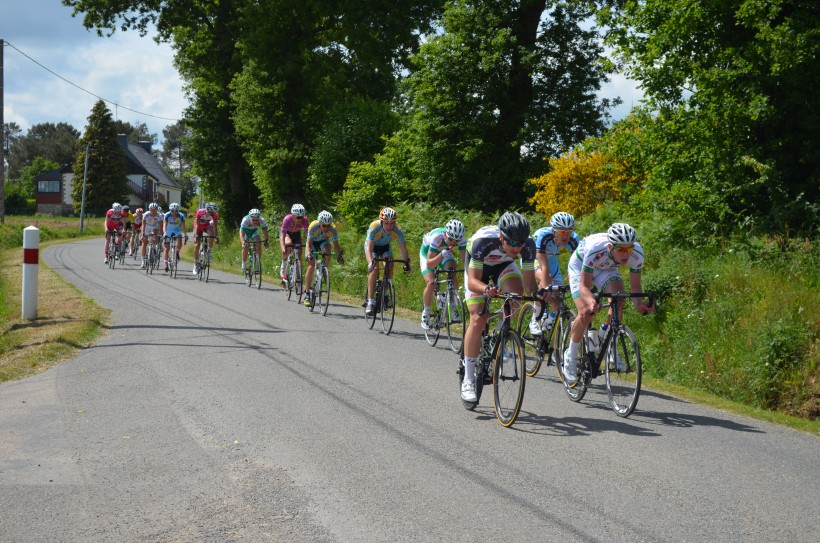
<point>533,348</point>
<point>433,332</point>
<point>388,306</point>
<point>112,252</point>
<point>455,320</point>
<point>575,391</point>
<point>324,291</point>
<point>289,278</point>
<point>249,268</point>
<point>623,372</point>
<point>298,286</point>
<point>509,378</point>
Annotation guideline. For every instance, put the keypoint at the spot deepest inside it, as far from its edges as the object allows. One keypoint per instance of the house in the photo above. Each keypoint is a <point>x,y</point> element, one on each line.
<point>148,182</point>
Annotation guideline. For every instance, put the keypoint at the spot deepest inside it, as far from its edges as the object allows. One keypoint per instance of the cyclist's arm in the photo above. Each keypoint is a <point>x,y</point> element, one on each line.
<point>403,249</point>
<point>543,264</point>
<point>530,285</point>
<point>642,306</point>
<point>368,252</point>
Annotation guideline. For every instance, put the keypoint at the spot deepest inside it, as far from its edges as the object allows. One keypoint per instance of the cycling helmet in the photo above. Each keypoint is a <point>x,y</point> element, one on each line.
<point>325,217</point>
<point>116,207</point>
<point>254,213</point>
<point>173,207</point>
<point>621,233</point>
<point>211,206</point>
<point>454,229</point>
<point>514,227</point>
<point>387,214</point>
<point>139,210</point>
<point>562,221</point>
<point>152,206</point>
<point>297,210</point>
<point>125,207</point>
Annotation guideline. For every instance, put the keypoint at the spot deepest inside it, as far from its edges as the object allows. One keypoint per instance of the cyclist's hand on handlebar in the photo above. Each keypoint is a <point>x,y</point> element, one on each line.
<point>644,308</point>
<point>267,244</point>
<point>371,266</point>
<point>407,266</point>
<point>340,259</point>
<point>491,291</point>
<point>185,242</point>
<point>309,256</point>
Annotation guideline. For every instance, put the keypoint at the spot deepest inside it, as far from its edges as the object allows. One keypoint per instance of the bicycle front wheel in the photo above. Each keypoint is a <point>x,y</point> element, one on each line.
<point>370,320</point>
<point>388,305</point>
<point>289,279</point>
<point>509,378</point>
<point>257,271</point>
<point>324,291</point>
<point>298,287</point>
<point>623,372</point>
<point>249,269</point>
<point>456,315</point>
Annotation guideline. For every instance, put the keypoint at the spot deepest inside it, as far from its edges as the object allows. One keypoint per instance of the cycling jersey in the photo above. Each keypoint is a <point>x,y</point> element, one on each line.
<point>151,221</point>
<point>381,237</point>
<point>545,244</point>
<point>173,225</point>
<point>484,248</point>
<point>594,256</point>
<point>114,220</point>
<point>138,219</point>
<point>252,229</point>
<point>435,241</point>
<point>315,232</point>
<point>290,226</point>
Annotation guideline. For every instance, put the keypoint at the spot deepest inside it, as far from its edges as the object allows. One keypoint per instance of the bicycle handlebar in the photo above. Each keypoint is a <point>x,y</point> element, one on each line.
<point>389,259</point>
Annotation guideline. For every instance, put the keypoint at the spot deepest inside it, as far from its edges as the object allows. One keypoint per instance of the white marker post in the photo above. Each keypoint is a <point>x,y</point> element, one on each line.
<point>31,265</point>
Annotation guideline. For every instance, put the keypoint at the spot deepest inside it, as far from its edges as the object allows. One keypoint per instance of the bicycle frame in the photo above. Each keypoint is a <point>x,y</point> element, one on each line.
<point>442,317</point>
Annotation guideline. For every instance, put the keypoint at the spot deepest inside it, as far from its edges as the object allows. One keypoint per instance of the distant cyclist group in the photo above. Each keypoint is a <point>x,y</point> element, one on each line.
<point>498,260</point>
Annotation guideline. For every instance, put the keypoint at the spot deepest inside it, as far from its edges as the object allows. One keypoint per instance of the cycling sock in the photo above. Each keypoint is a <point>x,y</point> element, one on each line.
<point>573,349</point>
<point>469,369</point>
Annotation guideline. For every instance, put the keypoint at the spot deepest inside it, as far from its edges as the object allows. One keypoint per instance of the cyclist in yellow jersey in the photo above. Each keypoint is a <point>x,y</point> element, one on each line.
<point>321,233</point>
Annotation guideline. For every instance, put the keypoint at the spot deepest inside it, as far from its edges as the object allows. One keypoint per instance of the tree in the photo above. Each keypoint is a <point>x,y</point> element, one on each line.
<point>135,133</point>
<point>54,142</point>
<point>106,181</point>
<point>38,166</point>
<point>177,160</point>
<point>506,84</point>
<point>733,84</point>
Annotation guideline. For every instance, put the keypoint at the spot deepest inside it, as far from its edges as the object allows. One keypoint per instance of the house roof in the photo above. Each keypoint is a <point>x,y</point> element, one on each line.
<point>53,175</point>
<point>140,161</point>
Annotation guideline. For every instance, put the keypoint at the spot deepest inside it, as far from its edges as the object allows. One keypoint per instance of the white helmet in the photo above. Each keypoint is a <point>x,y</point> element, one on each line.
<point>254,213</point>
<point>152,206</point>
<point>116,207</point>
<point>621,234</point>
<point>173,207</point>
<point>562,221</point>
<point>211,207</point>
<point>297,210</point>
<point>454,229</point>
<point>325,217</point>
<point>388,214</point>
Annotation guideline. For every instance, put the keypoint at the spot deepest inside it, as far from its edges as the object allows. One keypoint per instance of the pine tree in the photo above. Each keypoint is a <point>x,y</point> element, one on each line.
<point>106,180</point>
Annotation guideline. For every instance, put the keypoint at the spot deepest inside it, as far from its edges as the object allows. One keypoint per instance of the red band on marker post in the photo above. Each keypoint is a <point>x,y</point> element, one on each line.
<point>31,256</point>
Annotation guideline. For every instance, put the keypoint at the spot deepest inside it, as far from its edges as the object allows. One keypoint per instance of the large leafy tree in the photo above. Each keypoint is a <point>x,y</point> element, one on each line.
<point>733,83</point>
<point>106,180</point>
<point>177,158</point>
<point>506,84</point>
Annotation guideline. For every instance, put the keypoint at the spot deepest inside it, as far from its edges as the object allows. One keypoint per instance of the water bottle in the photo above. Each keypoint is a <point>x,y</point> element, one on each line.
<point>602,333</point>
<point>593,341</point>
<point>440,301</point>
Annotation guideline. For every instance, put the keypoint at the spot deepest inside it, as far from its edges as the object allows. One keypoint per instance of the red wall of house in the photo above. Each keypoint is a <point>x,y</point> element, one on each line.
<point>48,197</point>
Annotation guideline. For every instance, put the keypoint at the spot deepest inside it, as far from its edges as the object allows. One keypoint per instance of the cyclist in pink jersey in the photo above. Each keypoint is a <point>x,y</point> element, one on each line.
<point>205,221</point>
<point>291,234</point>
<point>114,223</point>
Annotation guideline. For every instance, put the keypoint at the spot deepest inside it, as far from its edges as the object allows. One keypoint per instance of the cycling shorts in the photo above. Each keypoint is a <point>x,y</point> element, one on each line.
<point>498,274</point>
<point>600,278</point>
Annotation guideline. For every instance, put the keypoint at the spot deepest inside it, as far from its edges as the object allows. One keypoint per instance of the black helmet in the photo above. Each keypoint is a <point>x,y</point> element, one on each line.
<point>514,227</point>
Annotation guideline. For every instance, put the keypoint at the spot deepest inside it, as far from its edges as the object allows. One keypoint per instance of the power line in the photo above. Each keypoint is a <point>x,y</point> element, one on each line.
<point>49,70</point>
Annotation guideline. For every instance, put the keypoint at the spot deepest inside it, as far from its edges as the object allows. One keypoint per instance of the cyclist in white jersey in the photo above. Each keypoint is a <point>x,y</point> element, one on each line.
<point>491,255</point>
<point>152,222</point>
<point>596,261</point>
<point>436,252</point>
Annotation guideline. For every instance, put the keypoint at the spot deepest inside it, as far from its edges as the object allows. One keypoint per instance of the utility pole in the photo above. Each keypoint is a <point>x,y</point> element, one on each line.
<point>85,176</point>
<point>2,143</point>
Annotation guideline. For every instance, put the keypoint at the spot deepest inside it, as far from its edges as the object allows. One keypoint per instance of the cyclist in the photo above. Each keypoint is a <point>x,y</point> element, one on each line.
<point>596,261</point>
<point>249,229</point>
<point>291,234</point>
<point>321,233</point>
<point>437,253</point>
<point>205,221</point>
<point>377,244</point>
<point>137,227</point>
<point>549,241</point>
<point>152,223</point>
<point>491,267</point>
<point>174,225</point>
<point>128,220</point>
<point>114,219</point>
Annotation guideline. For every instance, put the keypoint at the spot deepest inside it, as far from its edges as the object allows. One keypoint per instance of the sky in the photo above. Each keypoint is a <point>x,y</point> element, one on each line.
<point>128,71</point>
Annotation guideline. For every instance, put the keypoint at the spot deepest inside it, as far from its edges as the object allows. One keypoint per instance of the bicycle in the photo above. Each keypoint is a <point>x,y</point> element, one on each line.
<point>113,249</point>
<point>545,346</point>
<point>448,311</point>
<point>204,257</point>
<point>320,290</point>
<point>253,266</point>
<point>153,253</point>
<point>501,363</point>
<point>173,256</point>
<point>385,296</point>
<point>135,242</point>
<point>619,347</point>
<point>293,271</point>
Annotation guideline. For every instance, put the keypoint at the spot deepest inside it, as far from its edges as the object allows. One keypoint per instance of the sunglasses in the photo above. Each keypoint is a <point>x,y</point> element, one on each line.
<point>512,243</point>
<point>559,232</point>
<point>623,250</point>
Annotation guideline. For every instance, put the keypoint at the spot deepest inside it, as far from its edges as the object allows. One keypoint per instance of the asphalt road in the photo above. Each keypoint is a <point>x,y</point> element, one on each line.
<point>220,413</point>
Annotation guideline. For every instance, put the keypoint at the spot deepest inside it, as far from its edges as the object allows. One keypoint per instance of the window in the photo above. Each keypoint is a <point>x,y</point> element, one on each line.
<point>48,186</point>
